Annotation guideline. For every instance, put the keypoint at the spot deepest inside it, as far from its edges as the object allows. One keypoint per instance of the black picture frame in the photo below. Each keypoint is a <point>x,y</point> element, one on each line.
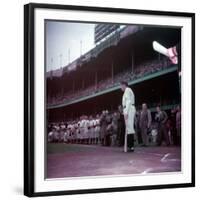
<point>29,95</point>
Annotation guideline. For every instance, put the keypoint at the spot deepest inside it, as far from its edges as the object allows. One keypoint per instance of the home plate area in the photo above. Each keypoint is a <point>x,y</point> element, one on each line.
<point>75,160</point>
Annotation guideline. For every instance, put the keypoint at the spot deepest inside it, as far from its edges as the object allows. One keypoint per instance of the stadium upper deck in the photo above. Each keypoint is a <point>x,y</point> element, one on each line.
<point>127,54</point>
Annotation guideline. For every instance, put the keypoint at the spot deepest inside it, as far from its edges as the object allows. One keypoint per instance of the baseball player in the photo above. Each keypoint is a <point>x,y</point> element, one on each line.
<point>97,129</point>
<point>90,129</point>
<point>65,135</point>
<point>82,129</point>
<point>86,130</point>
<point>128,103</point>
<point>51,135</point>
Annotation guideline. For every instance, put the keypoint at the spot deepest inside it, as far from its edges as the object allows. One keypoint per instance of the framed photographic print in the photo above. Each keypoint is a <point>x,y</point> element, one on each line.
<point>108,99</point>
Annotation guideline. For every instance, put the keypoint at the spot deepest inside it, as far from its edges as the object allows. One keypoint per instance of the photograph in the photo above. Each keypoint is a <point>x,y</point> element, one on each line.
<point>113,99</point>
<point>108,99</point>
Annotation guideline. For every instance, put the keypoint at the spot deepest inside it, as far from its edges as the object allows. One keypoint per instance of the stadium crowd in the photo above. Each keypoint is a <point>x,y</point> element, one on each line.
<point>108,128</point>
<point>128,75</point>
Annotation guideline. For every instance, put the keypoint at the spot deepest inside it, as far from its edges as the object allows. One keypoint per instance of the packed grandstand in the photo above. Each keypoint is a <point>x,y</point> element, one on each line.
<point>128,75</point>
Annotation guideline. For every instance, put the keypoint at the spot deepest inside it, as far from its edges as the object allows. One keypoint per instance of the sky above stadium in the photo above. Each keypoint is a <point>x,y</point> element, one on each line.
<point>66,41</point>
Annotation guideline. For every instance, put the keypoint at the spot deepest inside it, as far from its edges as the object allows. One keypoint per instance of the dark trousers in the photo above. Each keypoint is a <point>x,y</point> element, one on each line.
<point>107,140</point>
<point>144,135</point>
<point>174,135</point>
<point>162,134</point>
<point>121,132</point>
<point>130,140</point>
<point>139,135</point>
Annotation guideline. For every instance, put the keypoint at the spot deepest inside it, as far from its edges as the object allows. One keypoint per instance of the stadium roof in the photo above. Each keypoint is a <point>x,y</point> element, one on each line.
<point>111,40</point>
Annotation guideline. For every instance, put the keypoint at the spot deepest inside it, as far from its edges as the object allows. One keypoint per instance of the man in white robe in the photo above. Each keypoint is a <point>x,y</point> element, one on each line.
<point>128,103</point>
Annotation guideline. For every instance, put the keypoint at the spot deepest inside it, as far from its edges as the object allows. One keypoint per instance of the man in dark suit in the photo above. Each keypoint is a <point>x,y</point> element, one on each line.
<point>121,126</point>
<point>103,126</point>
<point>161,118</point>
<point>145,123</point>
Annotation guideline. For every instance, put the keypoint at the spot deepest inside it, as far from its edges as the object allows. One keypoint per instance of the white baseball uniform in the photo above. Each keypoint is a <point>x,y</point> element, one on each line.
<point>82,129</point>
<point>50,136</point>
<point>97,129</point>
<point>128,103</point>
<point>92,133</point>
<point>86,125</point>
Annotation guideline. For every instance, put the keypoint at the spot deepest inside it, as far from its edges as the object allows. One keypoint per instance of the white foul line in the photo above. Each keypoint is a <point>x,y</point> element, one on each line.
<point>164,158</point>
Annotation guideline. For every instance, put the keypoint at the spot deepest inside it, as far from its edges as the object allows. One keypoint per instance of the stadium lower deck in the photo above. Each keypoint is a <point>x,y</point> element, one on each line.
<point>76,160</point>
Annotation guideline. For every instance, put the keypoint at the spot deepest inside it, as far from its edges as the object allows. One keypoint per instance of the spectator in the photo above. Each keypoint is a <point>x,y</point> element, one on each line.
<point>121,126</point>
<point>137,127</point>
<point>145,123</point>
<point>172,126</point>
<point>103,125</point>
<point>114,129</point>
<point>128,75</point>
<point>161,119</point>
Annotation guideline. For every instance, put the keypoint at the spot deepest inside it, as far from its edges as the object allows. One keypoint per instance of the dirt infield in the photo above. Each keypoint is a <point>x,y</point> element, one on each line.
<point>72,160</point>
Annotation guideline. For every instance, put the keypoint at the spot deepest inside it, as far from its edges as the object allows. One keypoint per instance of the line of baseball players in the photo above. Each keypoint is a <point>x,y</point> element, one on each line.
<point>85,131</point>
<point>108,129</point>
